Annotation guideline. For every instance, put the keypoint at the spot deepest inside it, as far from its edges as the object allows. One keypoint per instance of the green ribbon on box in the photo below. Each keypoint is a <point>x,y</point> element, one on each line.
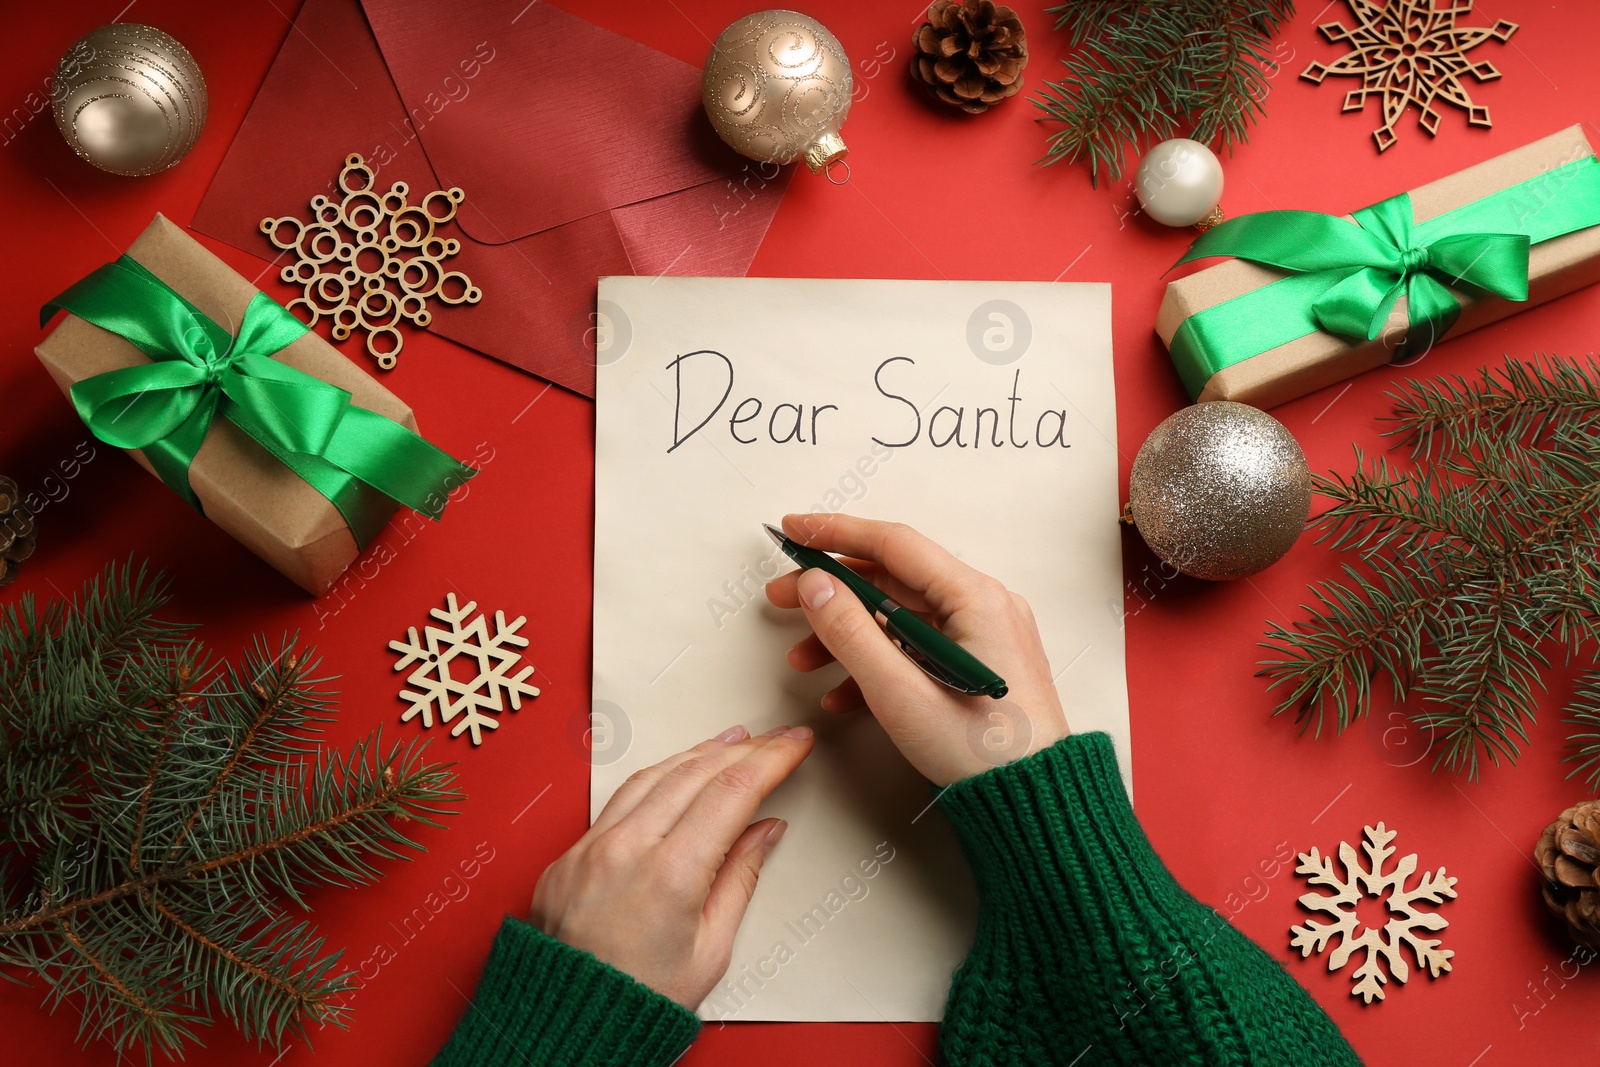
<point>1346,277</point>
<point>200,371</point>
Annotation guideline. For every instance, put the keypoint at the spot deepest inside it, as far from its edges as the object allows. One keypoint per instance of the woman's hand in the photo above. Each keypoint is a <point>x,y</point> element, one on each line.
<point>945,734</point>
<point>659,884</point>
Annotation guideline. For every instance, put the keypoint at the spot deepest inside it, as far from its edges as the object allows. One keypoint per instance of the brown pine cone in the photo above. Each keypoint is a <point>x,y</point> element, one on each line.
<point>16,530</point>
<point>970,54</point>
<point>1568,853</point>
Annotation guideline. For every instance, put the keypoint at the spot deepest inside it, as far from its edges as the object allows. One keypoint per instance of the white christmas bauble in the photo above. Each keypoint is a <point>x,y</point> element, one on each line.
<point>1180,183</point>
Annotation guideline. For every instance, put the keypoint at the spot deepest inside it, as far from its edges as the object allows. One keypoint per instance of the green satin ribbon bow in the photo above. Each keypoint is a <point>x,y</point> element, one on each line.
<point>200,371</point>
<point>1347,277</point>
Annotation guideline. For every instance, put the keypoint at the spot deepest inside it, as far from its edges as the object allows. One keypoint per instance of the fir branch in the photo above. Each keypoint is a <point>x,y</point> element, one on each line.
<point>141,860</point>
<point>281,965</point>
<point>1468,564</point>
<point>278,709</point>
<point>1480,681</point>
<point>1584,713</point>
<point>1381,507</point>
<point>1141,71</point>
<point>324,839</point>
<point>173,705</point>
<point>1520,401</point>
<point>113,620</point>
<point>120,1003</point>
<point>149,1016</point>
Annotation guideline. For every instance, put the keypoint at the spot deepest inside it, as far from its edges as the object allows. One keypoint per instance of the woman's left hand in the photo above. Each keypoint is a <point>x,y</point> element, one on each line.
<point>658,886</point>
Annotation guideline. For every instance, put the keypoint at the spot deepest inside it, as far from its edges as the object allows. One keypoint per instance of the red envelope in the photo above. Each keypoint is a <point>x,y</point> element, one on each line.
<point>614,173</point>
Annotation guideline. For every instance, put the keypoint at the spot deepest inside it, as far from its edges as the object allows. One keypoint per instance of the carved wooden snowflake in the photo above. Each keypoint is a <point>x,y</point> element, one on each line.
<point>372,260</point>
<point>1411,52</point>
<point>462,670</point>
<point>1405,918</point>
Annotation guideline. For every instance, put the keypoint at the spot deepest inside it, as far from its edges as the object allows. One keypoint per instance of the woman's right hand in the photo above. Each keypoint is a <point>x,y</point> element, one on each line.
<point>945,734</point>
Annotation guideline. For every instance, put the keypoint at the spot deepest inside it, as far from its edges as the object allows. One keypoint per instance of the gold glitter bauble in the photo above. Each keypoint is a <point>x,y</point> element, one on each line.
<point>777,87</point>
<point>1220,490</point>
<point>129,99</point>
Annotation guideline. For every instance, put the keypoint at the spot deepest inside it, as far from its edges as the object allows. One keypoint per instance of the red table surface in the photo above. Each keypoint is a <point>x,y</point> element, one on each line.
<point>1224,790</point>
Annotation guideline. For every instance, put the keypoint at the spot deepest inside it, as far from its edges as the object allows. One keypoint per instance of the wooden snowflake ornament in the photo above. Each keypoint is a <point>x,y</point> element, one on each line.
<point>1410,53</point>
<point>372,260</point>
<point>462,670</point>
<point>1405,916</point>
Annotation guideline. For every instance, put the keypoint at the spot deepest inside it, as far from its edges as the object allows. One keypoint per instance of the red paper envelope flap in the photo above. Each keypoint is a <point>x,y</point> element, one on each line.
<point>329,94</point>
<point>541,116</point>
<point>319,103</point>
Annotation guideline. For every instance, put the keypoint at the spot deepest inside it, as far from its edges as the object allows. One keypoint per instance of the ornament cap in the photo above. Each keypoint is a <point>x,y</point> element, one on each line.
<point>826,149</point>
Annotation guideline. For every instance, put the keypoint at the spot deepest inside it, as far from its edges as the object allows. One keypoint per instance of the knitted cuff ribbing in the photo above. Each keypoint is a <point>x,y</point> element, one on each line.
<point>541,1002</point>
<point>1087,947</point>
<point>1056,851</point>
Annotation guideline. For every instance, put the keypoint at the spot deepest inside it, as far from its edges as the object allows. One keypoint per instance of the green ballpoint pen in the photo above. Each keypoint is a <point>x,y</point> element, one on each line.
<point>922,642</point>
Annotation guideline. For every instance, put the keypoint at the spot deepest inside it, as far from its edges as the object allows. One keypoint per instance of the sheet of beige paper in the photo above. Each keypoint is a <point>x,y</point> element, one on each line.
<point>980,412</point>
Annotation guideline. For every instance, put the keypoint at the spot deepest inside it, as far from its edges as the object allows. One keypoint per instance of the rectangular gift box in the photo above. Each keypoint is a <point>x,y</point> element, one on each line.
<point>243,488</point>
<point>1556,267</point>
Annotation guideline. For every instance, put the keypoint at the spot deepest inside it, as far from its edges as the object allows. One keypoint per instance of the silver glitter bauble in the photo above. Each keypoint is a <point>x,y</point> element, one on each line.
<point>1219,490</point>
<point>777,87</point>
<point>1179,183</point>
<point>129,99</point>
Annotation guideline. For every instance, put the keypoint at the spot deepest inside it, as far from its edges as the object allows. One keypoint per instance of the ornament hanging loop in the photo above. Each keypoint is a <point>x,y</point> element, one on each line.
<point>837,165</point>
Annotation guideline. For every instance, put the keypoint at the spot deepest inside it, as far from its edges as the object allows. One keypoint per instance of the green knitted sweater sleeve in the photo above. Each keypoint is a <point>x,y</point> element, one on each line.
<point>541,1003</point>
<point>1089,952</point>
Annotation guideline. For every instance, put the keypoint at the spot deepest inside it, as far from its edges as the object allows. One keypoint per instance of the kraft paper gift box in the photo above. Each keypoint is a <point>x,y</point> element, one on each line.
<point>1539,180</point>
<point>243,488</point>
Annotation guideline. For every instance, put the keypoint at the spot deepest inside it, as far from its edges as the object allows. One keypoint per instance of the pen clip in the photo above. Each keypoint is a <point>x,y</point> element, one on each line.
<point>915,655</point>
<point>932,669</point>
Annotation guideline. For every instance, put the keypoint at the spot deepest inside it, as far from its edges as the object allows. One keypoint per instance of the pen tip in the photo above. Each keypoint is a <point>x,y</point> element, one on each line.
<point>773,532</point>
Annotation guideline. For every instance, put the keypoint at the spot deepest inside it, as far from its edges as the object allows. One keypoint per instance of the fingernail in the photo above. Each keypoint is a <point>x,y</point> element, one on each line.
<point>799,733</point>
<point>816,589</point>
<point>732,734</point>
<point>776,730</point>
<point>774,835</point>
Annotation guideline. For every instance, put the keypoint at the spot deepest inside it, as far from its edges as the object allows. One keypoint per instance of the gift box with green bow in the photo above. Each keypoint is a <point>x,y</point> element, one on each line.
<point>242,411</point>
<point>1310,299</point>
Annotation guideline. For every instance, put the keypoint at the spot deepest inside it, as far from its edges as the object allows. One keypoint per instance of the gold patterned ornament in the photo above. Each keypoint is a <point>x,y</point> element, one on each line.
<point>777,88</point>
<point>129,99</point>
<point>1219,490</point>
<point>372,260</point>
<point>1411,53</point>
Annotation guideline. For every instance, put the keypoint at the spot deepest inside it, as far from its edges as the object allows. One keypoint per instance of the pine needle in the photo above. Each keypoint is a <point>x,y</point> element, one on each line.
<point>1470,562</point>
<point>1144,72</point>
<point>156,814</point>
